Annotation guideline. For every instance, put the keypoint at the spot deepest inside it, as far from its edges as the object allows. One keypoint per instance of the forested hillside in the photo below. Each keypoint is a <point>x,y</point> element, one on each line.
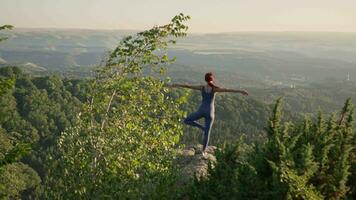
<point>34,112</point>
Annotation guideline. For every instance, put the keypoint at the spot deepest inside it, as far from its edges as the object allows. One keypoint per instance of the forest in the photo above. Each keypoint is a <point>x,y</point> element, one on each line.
<point>115,135</point>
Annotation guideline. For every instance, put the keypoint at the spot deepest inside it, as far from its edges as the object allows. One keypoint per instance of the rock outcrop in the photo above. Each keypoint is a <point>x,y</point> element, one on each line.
<point>192,163</point>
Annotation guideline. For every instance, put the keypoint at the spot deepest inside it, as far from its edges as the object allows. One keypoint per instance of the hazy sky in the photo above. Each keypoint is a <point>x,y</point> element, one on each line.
<point>207,15</point>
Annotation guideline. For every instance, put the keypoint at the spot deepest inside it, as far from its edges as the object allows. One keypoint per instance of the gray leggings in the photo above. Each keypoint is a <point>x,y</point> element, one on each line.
<point>209,119</point>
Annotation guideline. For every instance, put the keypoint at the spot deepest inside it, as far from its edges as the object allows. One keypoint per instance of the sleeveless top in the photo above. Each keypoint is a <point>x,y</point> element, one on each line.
<point>208,98</point>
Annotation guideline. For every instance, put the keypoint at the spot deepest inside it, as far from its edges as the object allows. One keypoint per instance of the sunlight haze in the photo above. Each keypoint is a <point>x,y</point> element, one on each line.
<point>207,15</point>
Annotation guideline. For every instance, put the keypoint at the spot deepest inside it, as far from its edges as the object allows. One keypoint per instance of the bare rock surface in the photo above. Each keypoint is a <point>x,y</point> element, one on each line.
<point>192,163</point>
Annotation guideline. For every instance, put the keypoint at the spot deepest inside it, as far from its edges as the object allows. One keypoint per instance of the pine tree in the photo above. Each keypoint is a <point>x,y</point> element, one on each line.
<point>339,159</point>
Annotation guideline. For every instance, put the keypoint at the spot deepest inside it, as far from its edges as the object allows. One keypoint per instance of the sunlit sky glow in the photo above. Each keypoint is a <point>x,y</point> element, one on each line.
<point>207,15</point>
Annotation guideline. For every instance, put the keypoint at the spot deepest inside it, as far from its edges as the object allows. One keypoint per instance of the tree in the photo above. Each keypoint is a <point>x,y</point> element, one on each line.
<point>5,84</point>
<point>33,113</point>
<point>4,27</point>
<point>15,178</point>
<point>122,144</point>
<point>11,154</point>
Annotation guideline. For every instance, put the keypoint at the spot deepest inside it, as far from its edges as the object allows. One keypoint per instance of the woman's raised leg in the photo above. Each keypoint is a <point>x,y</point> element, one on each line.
<point>190,120</point>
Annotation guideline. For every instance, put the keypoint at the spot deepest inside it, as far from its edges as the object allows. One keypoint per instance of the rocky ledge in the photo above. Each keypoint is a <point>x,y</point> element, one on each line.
<point>192,163</point>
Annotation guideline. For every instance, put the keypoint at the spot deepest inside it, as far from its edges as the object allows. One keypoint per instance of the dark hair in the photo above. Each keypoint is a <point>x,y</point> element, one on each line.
<point>209,78</point>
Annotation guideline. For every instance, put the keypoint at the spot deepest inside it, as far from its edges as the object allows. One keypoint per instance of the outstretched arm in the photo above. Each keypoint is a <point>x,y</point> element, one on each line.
<point>194,87</point>
<point>244,92</point>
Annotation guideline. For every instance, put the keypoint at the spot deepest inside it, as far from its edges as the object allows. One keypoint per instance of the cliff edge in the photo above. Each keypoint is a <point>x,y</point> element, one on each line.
<point>192,163</point>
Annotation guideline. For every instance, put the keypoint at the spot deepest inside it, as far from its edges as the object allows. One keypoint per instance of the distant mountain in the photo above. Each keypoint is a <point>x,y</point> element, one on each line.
<point>31,67</point>
<point>285,57</point>
<point>2,61</point>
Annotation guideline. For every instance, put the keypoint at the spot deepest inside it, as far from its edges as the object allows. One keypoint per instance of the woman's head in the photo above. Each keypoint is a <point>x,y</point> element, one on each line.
<point>209,78</point>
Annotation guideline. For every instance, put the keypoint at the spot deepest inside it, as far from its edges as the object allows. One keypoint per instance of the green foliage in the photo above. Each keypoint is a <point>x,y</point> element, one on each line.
<point>4,27</point>
<point>15,154</point>
<point>310,160</point>
<point>6,84</point>
<point>33,112</point>
<point>122,144</point>
<point>224,180</point>
<point>15,178</point>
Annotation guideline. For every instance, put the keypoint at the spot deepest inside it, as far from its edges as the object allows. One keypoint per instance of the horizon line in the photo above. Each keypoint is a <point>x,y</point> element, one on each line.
<point>218,32</point>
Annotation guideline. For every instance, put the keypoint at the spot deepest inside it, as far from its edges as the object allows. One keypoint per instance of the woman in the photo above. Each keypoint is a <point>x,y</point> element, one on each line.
<point>206,108</point>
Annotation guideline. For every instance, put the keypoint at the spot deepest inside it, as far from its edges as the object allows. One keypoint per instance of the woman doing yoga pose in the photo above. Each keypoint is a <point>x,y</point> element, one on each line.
<point>206,108</point>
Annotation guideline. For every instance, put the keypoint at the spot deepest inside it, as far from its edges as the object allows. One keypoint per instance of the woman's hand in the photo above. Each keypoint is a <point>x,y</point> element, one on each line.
<point>244,92</point>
